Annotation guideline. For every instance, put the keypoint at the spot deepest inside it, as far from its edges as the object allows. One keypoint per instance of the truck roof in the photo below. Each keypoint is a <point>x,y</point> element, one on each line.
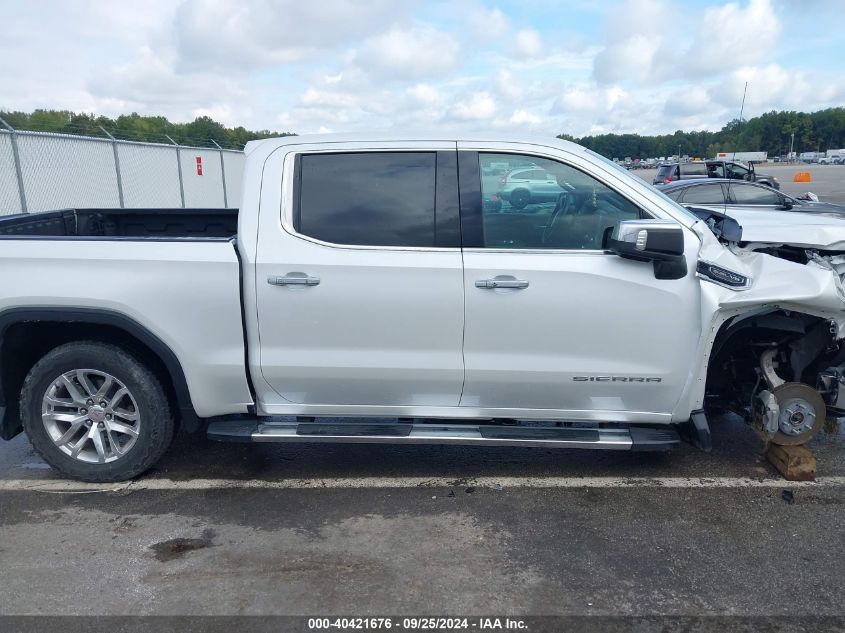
<point>422,136</point>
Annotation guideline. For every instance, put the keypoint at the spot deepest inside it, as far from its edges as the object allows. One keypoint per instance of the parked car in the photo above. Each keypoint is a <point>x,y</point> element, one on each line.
<point>528,185</point>
<point>670,172</point>
<point>720,194</point>
<point>370,296</point>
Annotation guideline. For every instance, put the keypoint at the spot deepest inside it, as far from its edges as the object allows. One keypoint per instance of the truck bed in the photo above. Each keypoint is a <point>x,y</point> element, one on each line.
<point>123,223</point>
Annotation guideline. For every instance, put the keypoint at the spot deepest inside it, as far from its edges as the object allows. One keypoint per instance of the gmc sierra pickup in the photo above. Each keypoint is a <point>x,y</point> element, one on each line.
<point>367,290</point>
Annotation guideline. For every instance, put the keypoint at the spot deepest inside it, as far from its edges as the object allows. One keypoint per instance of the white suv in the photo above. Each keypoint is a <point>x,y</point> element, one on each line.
<point>529,185</point>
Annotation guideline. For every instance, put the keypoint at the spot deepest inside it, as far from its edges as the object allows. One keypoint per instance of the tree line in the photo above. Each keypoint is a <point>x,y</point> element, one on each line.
<point>155,129</point>
<point>771,132</point>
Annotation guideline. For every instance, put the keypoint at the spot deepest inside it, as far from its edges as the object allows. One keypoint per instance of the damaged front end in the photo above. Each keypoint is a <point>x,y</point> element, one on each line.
<point>777,320</point>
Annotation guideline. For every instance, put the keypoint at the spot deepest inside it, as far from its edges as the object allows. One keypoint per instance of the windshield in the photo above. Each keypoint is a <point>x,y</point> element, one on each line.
<point>619,168</point>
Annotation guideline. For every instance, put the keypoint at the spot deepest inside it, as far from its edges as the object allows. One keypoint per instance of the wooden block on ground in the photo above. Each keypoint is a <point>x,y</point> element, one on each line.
<point>795,463</point>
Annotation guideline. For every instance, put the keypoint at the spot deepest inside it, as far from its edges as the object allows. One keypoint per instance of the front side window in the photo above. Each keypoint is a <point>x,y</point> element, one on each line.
<point>565,209</point>
<point>368,199</point>
<point>704,194</point>
<point>716,170</point>
<point>751,194</point>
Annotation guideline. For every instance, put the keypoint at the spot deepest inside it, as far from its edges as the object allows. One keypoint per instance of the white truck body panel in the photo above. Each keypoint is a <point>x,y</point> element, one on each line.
<point>181,291</point>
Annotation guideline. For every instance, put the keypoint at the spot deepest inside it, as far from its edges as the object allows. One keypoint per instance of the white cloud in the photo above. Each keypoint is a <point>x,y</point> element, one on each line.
<point>524,117</point>
<point>408,53</point>
<point>652,40</point>
<point>228,34</point>
<point>528,43</point>
<point>477,107</point>
<point>748,34</point>
<point>656,65</point>
<point>635,32</point>
<point>425,94</point>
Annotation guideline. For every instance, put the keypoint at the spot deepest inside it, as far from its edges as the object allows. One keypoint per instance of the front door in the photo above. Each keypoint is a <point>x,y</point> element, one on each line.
<point>360,300</point>
<point>555,323</point>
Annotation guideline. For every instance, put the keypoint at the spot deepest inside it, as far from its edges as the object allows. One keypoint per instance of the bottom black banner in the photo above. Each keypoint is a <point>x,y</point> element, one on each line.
<point>534,624</point>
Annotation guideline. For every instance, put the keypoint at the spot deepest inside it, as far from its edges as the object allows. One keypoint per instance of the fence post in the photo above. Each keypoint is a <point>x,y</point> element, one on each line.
<point>179,165</point>
<point>17,158</point>
<point>116,166</point>
<point>222,175</point>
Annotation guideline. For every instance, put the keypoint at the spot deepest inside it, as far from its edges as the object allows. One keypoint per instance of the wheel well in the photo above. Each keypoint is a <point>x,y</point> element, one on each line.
<point>23,343</point>
<point>803,345</point>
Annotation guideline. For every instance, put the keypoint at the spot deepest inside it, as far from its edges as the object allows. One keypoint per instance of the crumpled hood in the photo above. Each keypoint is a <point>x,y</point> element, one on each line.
<point>811,230</point>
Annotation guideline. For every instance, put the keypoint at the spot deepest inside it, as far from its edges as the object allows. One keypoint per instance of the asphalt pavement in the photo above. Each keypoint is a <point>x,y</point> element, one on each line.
<point>228,529</point>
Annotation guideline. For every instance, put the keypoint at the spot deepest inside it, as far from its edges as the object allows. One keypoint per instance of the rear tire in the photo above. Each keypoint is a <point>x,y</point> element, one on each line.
<point>68,388</point>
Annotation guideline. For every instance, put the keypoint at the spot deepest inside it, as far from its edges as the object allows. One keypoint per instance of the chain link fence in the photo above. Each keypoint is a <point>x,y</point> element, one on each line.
<point>41,171</point>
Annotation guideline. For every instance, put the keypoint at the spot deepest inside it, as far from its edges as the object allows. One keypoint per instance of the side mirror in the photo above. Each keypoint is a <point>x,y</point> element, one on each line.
<point>786,204</point>
<point>658,241</point>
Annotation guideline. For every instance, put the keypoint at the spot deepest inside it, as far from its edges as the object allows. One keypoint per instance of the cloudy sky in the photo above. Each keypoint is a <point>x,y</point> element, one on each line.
<point>542,66</point>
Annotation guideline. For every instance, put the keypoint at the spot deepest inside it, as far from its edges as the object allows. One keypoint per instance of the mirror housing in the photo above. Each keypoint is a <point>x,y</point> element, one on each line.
<point>658,241</point>
<point>786,204</point>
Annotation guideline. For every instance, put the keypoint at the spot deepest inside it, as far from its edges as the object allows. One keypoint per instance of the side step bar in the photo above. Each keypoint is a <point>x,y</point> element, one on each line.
<point>618,438</point>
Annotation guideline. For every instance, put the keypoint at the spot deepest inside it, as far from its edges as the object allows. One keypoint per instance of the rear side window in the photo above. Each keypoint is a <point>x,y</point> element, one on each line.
<point>667,170</point>
<point>704,194</point>
<point>368,199</point>
<point>694,169</point>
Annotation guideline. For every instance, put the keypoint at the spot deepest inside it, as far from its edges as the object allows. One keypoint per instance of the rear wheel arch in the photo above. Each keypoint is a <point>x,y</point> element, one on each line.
<point>27,334</point>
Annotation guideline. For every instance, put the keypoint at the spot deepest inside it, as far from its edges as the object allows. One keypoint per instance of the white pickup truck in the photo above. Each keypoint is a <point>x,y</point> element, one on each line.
<point>381,290</point>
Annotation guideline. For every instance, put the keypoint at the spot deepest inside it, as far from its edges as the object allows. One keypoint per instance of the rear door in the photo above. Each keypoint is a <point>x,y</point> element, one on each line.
<point>555,323</point>
<point>359,280</point>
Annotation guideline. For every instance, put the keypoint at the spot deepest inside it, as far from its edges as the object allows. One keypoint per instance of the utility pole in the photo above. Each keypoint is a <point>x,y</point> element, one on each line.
<point>741,110</point>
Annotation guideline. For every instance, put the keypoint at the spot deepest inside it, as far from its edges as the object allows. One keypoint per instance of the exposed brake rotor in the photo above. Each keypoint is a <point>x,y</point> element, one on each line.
<point>802,413</point>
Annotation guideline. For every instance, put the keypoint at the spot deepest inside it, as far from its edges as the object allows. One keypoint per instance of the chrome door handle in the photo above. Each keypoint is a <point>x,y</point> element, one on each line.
<point>289,280</point>
<point>501,283</point>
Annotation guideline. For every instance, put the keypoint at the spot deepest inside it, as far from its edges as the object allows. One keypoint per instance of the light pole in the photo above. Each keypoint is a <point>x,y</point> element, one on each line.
<point>791,143</point>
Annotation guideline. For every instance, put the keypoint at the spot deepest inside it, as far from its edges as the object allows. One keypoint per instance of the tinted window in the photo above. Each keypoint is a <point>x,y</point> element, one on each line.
<point>666,171</point>
<point>370,199</point>
<point>716,170</point>
<point>569,210</point>
<point>533,174</point>
<point>735,171</point>
<point>694,169</point>
<point>749,194</point>
<point>704,194</point>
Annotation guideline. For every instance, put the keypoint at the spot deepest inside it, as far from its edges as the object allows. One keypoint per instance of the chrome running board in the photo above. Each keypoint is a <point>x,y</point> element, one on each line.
<point>613,438</point>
